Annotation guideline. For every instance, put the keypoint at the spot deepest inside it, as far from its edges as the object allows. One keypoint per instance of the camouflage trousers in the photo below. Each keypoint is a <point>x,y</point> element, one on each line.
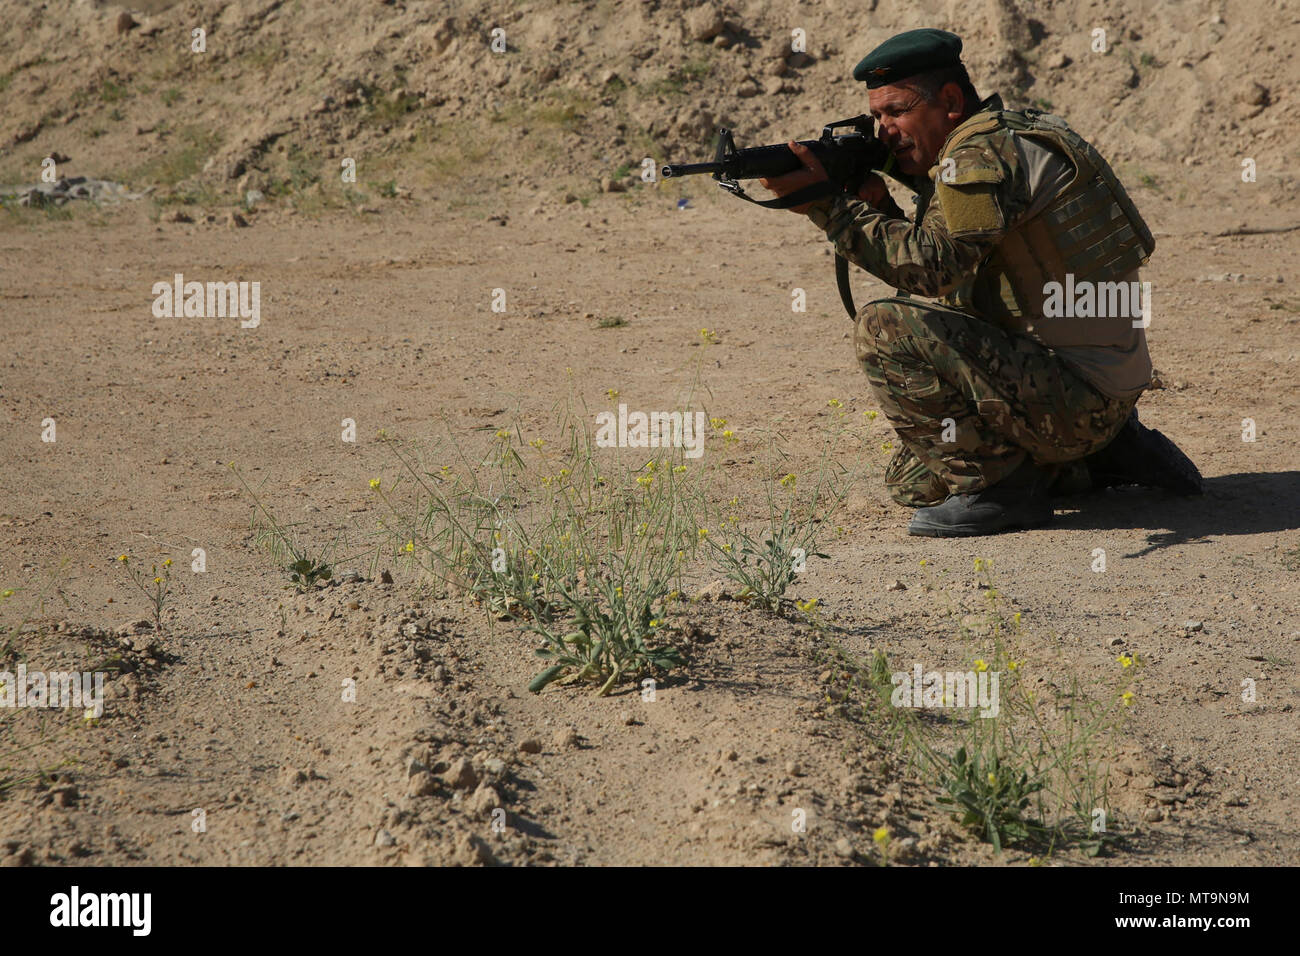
<point>970,401</point>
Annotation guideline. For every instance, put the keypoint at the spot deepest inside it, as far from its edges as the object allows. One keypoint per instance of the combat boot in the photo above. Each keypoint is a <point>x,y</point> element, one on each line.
<point>1143,456</point>
<point>1016,502</point>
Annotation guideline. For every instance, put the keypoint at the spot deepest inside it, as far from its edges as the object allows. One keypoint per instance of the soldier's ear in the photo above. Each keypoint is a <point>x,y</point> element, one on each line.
<point>953,100</point>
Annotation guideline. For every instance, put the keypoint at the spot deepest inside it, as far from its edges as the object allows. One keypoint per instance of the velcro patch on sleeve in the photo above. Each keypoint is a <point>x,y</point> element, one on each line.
<point>969,208</point>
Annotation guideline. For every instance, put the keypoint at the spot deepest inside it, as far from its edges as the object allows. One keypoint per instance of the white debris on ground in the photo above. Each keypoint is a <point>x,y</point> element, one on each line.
<point>68,188</point>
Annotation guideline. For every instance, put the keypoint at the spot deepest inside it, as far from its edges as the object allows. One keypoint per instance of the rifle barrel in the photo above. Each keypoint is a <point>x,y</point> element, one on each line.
<point>690,169</point>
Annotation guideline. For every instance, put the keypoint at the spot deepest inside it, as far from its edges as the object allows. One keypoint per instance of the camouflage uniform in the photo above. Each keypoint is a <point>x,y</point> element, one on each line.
<point>980,360</point>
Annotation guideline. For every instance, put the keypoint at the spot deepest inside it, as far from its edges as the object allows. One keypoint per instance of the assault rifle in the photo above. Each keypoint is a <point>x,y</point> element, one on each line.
<point>848,159</point>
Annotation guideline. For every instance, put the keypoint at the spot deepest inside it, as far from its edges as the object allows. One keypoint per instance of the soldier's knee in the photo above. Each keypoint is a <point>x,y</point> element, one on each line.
<point>883,317</point>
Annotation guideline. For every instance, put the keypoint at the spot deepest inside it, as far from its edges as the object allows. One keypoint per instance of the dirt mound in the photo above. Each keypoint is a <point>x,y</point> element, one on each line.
<point>418,98</point>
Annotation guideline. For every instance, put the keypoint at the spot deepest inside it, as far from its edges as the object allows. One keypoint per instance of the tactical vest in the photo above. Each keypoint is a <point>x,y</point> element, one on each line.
<point>1092,229</point>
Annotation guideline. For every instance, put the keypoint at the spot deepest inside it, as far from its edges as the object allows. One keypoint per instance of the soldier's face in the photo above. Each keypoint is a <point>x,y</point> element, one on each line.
<point>913,129</point>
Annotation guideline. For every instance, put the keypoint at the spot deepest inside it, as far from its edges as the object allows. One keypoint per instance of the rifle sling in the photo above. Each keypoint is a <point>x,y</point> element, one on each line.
<point>797,198</point>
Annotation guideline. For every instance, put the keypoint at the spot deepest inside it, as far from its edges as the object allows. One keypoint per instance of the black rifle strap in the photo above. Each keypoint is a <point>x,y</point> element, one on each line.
<point>797,198</point>
<point>846,291</point>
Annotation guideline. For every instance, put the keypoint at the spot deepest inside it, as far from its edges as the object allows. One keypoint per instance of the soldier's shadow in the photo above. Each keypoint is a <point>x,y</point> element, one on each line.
<point>1246,503</point>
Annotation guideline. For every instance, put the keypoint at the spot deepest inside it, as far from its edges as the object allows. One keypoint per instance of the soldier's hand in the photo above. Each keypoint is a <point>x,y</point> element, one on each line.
<point>874,192</point>
<point>812,172</point>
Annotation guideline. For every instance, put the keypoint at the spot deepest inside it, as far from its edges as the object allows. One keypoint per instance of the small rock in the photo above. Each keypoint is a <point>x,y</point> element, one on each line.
<point>608,185</point>
<point>421,784</point>
<point>461,775</point>
<point>125,23</point>
<point>484,800</point>
<point>565,738</point>
<point>252,197</point>
<point>1116,641</point>
<point>384,838</point>
<point>65,797</point>
<point>794,768</point>
<point>530,746</point>
<point>1236,799</point>
<point>704,23</point>
<point>896,585</point>
<point>1193,626</point>
<point>748,89</point>
<point>235,221</point>
<point>1057,61</point>
<point>495,766</point>
<point>843,848</point>
<point>177,215</point>
<point>773,85</point>
<point>472,851</point>
<point>1153,815</point>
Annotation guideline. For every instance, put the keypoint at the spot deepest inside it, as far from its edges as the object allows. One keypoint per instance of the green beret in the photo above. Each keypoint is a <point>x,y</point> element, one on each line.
<point>910,53</point>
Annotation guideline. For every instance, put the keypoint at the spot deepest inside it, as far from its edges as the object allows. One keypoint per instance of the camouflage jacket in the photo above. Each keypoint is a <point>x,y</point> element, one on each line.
<point>933,255</point>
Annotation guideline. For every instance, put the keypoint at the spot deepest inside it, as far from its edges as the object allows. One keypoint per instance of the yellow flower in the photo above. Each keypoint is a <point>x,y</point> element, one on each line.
<point>835,403</point>
<point>924,562</point>
<point>6,594</point>
<point>729,435</point>
<point>726,547</point>
<point>788,481</point>
<point>89,717</point>
<point>655,622</point>
<point>1124,661</point>
<point>536,577</point>
<point>717,422</point>
<point>618,591</point>
<point>1015,619</point>
<point>642,528</point>
<point>979,564</point>
<point>673,595</point>
<point>564,473</point>
<point>709,337</point>
<point>410,545</point>
<point>121,557</point>
<point>644,481</point>
<point>1035,861</point>
<point>503,434</point>
<point>807,606</point>
<point>1127,698</point>
<point>993,779</point>
<point>167,563</point>
<point>157,580</point>
<point>612,393</point>
<point>887,446</point>
<point>1014,666</point>
<point>881,835</point>
<point>981,665</point>
<point>704,532</point>
<point>538,442</point>
<point>679,470</point>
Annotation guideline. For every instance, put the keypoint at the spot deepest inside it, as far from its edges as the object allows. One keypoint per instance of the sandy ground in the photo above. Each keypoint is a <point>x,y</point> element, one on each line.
<point>386,319</point>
